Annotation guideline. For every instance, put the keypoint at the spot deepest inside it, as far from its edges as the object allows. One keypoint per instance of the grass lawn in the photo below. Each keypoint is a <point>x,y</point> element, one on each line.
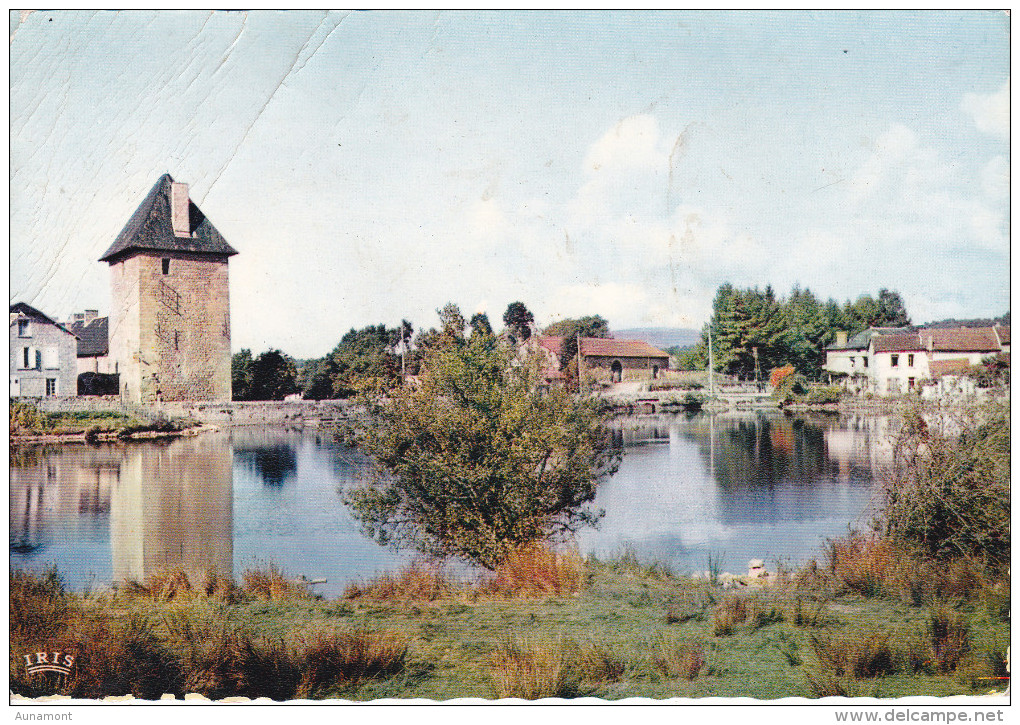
<point>619,631</point>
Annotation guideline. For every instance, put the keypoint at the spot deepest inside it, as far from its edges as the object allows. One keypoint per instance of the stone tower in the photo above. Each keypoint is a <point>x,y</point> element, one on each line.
<point>170,298</point>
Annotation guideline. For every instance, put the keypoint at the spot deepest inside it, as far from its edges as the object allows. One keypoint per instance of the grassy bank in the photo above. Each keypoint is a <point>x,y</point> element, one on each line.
<point>866,621</point>
<point>28,422</point>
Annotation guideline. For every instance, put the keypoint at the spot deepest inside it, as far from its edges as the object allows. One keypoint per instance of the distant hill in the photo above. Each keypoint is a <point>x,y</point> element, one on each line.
<point>660,337</point>
<point>973,322</point>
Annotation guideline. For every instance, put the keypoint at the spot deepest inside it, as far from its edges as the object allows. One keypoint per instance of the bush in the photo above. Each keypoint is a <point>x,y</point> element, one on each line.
<point>949,492</point>
<point>823,396</point>
<point>730,612</point>
<point>949,636</point>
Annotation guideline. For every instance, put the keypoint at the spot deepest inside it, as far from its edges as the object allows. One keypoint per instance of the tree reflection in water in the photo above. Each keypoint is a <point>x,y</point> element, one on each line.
<point>274,464</point>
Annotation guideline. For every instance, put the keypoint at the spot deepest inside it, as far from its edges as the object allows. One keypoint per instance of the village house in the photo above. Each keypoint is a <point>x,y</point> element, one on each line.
<point>169,326</point>
<point>886,361</point>
<point>43,355</point>
<point>608,359</point>
<point>93,333</point>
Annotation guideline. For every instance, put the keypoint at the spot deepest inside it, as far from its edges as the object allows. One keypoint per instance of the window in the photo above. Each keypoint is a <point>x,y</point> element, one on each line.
<point>51,386</point>
<point>177,340</point>
<point>894,360</point>
<point>166,266</point>
<point>29,358</point>
<point>24,328</point>
<point>910,364</point>
<point>865,361</point>
<point>910,383</point>
<point>51,358</point>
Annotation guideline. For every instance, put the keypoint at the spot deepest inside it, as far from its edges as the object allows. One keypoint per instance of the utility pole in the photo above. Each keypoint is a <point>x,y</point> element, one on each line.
<point>580,363</point>
<point>711,364</point>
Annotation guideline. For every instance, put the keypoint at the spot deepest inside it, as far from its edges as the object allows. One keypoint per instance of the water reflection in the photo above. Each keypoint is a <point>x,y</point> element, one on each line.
<point>745,485</point>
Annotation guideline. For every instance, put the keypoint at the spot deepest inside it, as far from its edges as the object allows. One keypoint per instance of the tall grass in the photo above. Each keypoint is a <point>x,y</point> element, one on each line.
<point>855,654</point>
<point>532,670</point>
<point>536,570</point>
<point>271,583</point>
<point>678,658</point>
<point>411,584</point>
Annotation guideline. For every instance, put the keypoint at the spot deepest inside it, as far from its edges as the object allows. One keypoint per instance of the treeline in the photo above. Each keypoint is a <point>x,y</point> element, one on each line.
<point>372,359</point>
<point>794,330</point>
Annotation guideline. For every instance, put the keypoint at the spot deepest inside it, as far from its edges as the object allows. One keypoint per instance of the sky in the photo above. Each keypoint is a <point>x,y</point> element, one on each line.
<point>374,166</point>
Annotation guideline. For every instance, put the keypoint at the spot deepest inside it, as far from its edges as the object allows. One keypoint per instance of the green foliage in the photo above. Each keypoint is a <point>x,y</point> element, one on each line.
<point>475,461</point>
<point>824,396</point>
<point>587,326</point>
<point>480,324</point>
<point>518,320</point>
<point>273,377</point>
<point>949,489</point>
<point>792,331</point>
<point>694,357</point>
<point>364,360</point>
<point>240,375</point>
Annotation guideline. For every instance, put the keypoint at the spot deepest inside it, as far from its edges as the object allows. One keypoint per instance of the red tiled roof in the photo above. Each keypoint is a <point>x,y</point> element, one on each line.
<point>896,343</point>
<point>938,368</point>
<point>1003,334</point>
<point>551,343</point>
<point>605,347</point>
<point>599,347</point>
<point>962,339</point>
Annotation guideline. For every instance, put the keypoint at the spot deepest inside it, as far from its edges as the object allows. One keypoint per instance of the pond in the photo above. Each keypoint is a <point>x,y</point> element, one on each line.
<point>736,486</point>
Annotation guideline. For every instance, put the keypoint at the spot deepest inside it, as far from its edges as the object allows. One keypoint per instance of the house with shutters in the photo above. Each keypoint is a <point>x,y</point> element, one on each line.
<point>169,325</point>
<point>43,355</point>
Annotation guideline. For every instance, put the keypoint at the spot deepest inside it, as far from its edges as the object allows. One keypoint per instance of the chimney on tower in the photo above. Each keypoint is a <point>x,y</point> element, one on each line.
<point>180,217</point>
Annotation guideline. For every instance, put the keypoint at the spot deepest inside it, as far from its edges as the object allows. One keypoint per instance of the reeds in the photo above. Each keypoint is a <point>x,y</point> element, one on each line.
<point>855,654</point>
<point>949,636</point>
<point>270,583</point>
<point>532,670</point>
<point>334,659</point>
<point>678,658</point>
<point>728,613</point>
<point>536,570</point>
<point>414,583</point>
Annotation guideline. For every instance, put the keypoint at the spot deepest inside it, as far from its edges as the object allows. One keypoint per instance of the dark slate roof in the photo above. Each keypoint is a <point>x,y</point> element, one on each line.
<point>862,339</point>
<point>93,338</point>
<point>149,228</point>
<point>24,309</point>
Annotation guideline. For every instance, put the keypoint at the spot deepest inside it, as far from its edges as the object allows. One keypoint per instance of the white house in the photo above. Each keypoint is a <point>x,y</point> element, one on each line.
<point>43,355</point>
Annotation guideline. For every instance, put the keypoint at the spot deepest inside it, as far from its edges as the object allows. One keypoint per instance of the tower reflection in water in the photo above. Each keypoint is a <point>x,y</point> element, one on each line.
<point>166,506</point>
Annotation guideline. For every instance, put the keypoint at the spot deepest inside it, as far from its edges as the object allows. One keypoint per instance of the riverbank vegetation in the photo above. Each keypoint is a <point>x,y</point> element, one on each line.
<point>27,421</point>
<point>477,459</point>
<point>544,624</point>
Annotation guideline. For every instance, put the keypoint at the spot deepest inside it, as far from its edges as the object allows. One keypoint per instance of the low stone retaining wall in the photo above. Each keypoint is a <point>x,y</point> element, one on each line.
<point>303,412</point>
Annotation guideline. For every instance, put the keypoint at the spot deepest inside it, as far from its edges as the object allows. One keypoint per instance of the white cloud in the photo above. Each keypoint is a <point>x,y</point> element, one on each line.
<point>990,111</point>
<point>633,143</point>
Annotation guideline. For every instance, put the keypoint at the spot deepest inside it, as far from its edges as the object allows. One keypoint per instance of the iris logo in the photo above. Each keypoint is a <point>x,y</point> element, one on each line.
<point>49,662</point>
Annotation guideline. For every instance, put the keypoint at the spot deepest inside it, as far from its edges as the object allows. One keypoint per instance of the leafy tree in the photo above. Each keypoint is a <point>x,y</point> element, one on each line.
<point>694,357</point>
<point>480,324</point>
<point>240,375</point>
<point>476,461</point>
<point>273,376</point>
<point>364,360</point>
<point>518,320</point>
<point>588,326</point>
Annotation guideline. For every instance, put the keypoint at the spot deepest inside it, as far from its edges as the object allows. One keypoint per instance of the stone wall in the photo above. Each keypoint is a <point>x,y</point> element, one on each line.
<point>304,412</point>
<point>170,333</point>
<point>632,368</point>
